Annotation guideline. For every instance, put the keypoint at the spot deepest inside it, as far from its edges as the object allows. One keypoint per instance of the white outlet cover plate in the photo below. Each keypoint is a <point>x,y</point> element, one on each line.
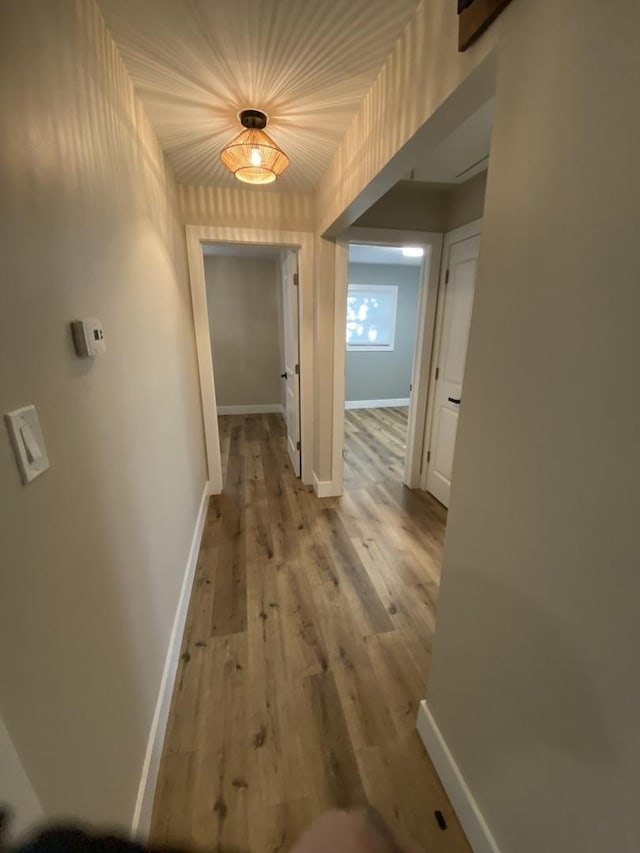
<point>28,442</point>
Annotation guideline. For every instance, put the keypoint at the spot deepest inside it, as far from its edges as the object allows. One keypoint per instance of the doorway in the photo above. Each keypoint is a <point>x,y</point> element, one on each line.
<point>290,353</point>
<point>252,306</point>
<point>383,295</point>
<point>294,251</point>
<point>408,453</point>
<point>443,322</point>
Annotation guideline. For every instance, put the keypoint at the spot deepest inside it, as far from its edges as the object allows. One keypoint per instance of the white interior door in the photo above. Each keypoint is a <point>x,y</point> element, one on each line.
<point>455,306</point>
<point>291,374</point>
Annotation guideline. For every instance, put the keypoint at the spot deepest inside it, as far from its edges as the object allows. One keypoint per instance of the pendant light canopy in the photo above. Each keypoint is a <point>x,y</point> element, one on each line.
<point>253,156</point>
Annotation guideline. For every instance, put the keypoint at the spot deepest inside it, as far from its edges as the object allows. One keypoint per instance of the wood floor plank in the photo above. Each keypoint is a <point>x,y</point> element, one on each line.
<point>229,614</point>
<point>353,573</point>
<point>306,649</point>
<point>344,788</point>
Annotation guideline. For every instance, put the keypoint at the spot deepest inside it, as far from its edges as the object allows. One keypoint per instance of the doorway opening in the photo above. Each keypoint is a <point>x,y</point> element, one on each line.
<point>383,295</point>
<point>252,311</point>
<point>403,318</point>
<point>251,298</point>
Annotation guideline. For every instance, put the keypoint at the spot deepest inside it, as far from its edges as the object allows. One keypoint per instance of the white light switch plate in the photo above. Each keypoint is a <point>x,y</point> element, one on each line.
<point>28,443</point>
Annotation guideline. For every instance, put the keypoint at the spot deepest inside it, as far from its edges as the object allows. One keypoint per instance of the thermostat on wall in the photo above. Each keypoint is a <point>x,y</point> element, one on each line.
<point>88,337</point>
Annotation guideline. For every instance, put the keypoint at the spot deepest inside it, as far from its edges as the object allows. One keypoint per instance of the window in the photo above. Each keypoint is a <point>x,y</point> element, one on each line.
<point>371,317</point>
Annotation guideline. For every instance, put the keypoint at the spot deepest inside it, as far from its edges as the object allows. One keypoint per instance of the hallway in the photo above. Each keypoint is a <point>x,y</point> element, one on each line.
<point>305,653</point>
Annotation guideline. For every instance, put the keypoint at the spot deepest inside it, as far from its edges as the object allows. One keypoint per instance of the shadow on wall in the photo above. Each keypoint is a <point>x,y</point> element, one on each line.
<point>93,551</point>
<point>84,635</point>
<point>576,736</point>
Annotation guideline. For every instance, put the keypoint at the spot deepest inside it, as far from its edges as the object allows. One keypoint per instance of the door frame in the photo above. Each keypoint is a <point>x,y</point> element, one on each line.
<point>420,372</point>
<point>290,361</point>
<point>464,232</point>
<point>302,241</point>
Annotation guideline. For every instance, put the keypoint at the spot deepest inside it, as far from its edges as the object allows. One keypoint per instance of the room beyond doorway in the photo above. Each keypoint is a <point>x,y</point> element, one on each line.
<point>298,243</point>
<point>253,321</point>
<point>388,305</point>
<point>375,443</point>
<point>383,294</point>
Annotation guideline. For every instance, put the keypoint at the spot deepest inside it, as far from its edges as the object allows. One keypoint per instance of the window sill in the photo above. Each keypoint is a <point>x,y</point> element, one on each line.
<point>365,348</point>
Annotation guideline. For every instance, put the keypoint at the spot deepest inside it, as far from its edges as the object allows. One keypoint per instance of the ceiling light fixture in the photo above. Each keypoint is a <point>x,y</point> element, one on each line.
<point>253,156</point>
<point>412,251</point>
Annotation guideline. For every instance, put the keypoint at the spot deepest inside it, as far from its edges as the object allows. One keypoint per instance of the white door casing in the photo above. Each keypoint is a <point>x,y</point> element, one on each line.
<point>291,373</point>
<point>303,243</point>
<point>454,320</point>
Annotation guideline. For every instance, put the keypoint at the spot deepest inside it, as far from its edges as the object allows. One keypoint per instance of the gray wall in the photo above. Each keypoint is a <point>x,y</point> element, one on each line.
<point>409,205</point>
<point>386,375</point>
<point>417,206</point>
<point>16,791</point>
<point>93,551</point>
<point>244,319</point>
<point>465,202</point>
<point>534,678</point>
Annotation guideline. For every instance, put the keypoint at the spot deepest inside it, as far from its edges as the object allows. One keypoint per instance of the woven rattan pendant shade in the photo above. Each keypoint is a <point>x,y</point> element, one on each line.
<point>253,156</point>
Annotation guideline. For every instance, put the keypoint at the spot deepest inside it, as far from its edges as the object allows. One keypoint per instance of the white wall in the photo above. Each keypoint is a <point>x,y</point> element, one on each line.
<point>93,552</point>
<point>245,327</point>
<point>534,677</point>
<point>386,375</point>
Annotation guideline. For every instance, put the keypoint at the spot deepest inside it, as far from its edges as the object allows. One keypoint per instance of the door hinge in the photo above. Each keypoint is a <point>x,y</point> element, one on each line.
<point>296,279</point>
<point>437,373</point>
<point>428,455</point>
<point>297,370</point>
<point>297,445</point>
<point>411,387</point>
<point>446,277</point>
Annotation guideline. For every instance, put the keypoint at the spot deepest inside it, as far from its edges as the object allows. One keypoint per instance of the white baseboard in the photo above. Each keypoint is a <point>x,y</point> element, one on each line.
<point>260,409</point>
<point>144,803</point>
<point>326,488</point>
<point>376,404</point>
<point>464,805</point>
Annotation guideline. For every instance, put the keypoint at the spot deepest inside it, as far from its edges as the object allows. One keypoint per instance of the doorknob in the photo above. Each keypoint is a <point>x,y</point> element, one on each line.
<point>454,400</point>
<point>283,375</point>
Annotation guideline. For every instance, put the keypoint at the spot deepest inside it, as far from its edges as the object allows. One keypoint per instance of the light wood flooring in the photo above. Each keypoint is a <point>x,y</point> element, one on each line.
<point>306,650</point>
<point>374,446</point>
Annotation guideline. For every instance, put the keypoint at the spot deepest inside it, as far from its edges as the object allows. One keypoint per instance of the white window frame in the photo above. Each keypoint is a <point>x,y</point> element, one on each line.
<point>386,288</point>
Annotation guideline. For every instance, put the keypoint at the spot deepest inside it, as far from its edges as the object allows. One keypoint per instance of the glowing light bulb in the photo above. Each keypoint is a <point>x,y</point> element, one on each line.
<point>256,159</point>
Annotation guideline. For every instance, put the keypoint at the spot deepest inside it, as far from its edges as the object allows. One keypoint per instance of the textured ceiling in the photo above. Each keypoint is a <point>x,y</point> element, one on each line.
<point>307,63</point>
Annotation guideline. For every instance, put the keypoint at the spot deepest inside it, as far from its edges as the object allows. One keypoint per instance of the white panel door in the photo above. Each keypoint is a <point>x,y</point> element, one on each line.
<point>455,304</point>
<point>291,374</point>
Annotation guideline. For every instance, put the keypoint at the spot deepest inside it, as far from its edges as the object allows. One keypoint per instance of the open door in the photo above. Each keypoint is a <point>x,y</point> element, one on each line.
<point>451,353</point>
<point>291,373</point>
